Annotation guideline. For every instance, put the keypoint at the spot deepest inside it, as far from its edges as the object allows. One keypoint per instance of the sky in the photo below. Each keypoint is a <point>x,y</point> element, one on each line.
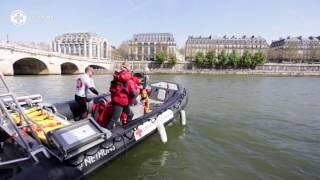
<point>117,21</point>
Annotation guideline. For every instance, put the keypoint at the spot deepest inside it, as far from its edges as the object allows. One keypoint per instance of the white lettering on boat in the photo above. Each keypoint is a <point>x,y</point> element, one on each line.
<point>88,160</point>
<point>149,126</point>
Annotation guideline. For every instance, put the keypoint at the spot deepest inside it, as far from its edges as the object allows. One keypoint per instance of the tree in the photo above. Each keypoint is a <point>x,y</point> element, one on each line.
<point>272,55</point>
<point>172,60</point>
<point>182,50</point>
<point>246,58</point>
<point>211,58</point>
<point>223,59</point>
<point>259,57</point>
<point>315,53</point>
<point>200,59</point>
<point>292,52</point>
<point>123,50</point>
<point>161,56</point>
<point>234,59</point>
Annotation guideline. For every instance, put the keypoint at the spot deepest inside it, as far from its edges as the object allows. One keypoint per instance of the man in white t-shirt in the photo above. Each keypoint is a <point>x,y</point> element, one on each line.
<point>84,86</point>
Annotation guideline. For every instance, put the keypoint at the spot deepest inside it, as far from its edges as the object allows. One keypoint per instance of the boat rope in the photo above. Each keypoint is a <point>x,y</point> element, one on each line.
<point>76,161</point>
<point>130,138</point>
<point>89,153</point>
<point>124,142</point>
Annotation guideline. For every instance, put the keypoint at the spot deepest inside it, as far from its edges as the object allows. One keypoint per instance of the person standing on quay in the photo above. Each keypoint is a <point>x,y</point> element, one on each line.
<point>84,83</point>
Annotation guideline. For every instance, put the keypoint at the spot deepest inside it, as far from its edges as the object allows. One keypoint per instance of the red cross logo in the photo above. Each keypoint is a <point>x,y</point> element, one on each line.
<point>138,132</point>
<point>79,83</point>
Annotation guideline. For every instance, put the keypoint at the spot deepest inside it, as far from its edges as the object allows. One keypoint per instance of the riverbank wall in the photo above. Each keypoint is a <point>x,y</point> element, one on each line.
<point>191,68</point>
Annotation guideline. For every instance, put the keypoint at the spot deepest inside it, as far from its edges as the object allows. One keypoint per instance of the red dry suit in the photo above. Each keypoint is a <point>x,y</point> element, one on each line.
<point>103,112</point>
<point>135,86</point>
<point>122,88</point>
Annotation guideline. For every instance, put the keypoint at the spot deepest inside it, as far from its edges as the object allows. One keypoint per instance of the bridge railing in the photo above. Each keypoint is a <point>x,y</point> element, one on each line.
<point>49,53</point>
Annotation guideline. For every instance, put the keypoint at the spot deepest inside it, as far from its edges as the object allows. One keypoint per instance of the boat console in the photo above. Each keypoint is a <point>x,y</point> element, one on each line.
<point>77,138</point>
<point>161,92</point>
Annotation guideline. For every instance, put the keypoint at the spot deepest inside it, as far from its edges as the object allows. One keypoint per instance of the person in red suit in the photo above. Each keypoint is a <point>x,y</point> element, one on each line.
<point>123,90</point>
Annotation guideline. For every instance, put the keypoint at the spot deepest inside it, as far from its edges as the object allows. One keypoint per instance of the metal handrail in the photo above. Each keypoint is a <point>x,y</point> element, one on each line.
<point>14,161</point>
<point>52,53</point>
<point>6,116</point>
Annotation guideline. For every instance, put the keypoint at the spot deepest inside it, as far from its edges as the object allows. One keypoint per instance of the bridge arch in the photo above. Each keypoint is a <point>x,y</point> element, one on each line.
<point>69,68</point>
<point>29,66</point>
<point>97,67</point>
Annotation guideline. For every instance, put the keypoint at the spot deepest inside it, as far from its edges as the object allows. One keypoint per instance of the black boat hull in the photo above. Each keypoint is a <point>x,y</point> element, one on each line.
<point>121,140</point>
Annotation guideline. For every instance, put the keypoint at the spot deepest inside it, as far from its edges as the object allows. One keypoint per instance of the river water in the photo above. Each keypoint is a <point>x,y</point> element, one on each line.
<point>238,127</point>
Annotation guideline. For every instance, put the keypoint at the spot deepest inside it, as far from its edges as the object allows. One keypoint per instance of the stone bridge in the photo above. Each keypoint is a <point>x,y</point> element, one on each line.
<point>19,60</point>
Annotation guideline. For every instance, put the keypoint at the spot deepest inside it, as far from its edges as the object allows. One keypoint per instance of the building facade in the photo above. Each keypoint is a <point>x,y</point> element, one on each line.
<point>83,44</point>
<point>204,44</point>
<point>295,49</point>
<point>145,46</point>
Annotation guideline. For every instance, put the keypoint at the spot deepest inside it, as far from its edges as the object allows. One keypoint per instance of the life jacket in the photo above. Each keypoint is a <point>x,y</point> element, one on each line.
<point>137,82</point>
<point>119,88</point>
<point>122,76</point>
<point>102,113</point>
<point>145,100</point>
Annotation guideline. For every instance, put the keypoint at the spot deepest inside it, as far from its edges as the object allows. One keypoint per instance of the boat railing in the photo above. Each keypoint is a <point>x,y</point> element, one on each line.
<point>32,145</point>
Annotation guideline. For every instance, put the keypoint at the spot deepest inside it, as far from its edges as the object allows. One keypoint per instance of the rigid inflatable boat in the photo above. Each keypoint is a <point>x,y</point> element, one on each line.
<point>50,144</point>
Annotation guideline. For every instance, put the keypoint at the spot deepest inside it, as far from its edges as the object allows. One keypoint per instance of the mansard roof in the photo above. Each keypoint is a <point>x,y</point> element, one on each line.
<point>152,37</point>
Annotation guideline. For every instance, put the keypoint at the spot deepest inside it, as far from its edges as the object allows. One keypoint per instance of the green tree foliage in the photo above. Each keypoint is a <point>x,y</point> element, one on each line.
<point>223,59</point>
<point>245,61</point>
<point>161,56</point>
<point>172,60</point>
<point>211,58</point>
<point>200,59</point>
<point>258,59</point>
<point>234,59</point>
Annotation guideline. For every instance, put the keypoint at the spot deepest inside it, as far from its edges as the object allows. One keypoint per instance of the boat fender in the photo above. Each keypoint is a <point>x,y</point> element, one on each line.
<point>162,132</point>
<point>183,117</point>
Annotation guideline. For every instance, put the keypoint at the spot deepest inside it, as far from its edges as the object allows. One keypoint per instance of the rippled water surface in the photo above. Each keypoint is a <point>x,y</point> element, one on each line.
<point>238,127</point>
